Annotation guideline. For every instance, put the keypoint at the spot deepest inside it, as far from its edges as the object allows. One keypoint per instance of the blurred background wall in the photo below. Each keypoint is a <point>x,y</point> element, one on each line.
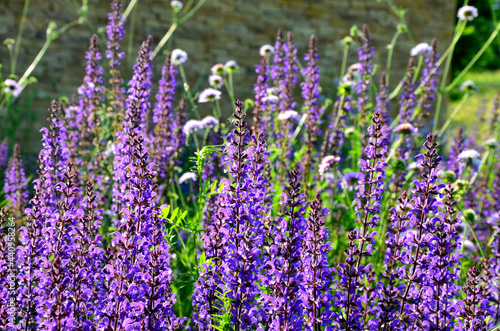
<point>221,30</point>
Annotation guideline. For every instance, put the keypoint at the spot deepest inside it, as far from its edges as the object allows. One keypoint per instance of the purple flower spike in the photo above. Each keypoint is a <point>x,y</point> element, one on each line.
<point>165,141</point>
<point>8,260</point>
<point>429,81</point>
<point>282,304</point>
<point>424,212</point>
<point>370,193</point>
<point>115,32</point>
<point>365,58</point>
<point>260,90</point>
<point>317,276</point>
<point>15,185</point>
<point>474,308</point>
<point>4,152</point>
<point>310,93</point>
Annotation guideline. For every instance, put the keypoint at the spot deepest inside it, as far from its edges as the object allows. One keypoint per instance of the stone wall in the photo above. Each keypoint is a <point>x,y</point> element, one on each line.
<point>220,31</point>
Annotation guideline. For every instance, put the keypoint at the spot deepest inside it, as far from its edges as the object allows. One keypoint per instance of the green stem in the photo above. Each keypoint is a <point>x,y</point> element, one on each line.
<point>51,36</point>
<point>452,116</point>
<point>389,56</point>
<point>127,11</point>
<point>165,38</point>
<point>131,35</point>
<point>191,12</point>
<point>19,37</point>
<point>474,60</point>
<point>188,92</point>
<point>344,63</point>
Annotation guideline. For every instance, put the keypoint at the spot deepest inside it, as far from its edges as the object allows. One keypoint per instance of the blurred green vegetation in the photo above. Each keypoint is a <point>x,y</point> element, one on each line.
<point>475,35</point>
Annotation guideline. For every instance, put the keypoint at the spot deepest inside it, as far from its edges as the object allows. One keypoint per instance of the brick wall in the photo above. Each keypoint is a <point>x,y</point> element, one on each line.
<point>221,30</point>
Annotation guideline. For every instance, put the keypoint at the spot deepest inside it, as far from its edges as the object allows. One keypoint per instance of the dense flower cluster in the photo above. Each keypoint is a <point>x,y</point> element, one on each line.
<point>310,218</point>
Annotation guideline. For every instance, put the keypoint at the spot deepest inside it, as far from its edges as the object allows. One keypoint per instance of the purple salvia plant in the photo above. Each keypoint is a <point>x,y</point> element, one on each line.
<point>115,32</point>
<point>370,193</point>
<point>396,255</point>
<point>310,93</point>
<point>138,278</point>
<point>139,86</point>
<point>15,185</point>
<point>493,120</point>
<point>86,263</point>
<point>428,83</point>
<point>165,142</point>
<point>334,136</point>
<point>492,269</point>
<point>4,152</point>
<point>458,145</point>
<point>39,230</point>
<point>133,126</point>
<point>245,237</point>
<point>57,312</point>
<point>85,117</point>
<point>229,242</point>
<point>205,296</point>
<point>317,276</point>
<point>424,210</point>
<point>365,58</point>
<point>277,73</point>
<point>474,308</point>
<point>407,99</point>
<point>260,90</point>
<point>283,306</point>
<point>383,100</point>
<point>7,264</point>
<point>441,273</point>
<point>291,68</point>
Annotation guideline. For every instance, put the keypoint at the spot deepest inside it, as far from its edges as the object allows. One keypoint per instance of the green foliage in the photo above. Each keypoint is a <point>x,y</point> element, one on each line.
<point>476,33</point>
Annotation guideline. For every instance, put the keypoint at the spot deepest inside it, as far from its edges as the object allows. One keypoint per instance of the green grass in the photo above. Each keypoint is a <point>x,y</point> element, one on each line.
<point>488,85</point>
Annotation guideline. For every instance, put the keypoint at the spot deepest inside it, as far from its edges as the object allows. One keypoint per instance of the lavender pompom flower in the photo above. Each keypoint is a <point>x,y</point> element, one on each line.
<point>420,49</point>
<point>289,115</point>
<point>216,81</point>
<point>231,67</point>
<point>15,185</point>
<point>179,57</point>
<point>467,13</point>
<point>468,86</point>
<point>209,95</point>
<point>317,277</point>
<point>217,69</point>
<point>266,50</point>
<point>326,163</point>
<point>187,176</point>
<point>12,87</point>
<point>176,5</point>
